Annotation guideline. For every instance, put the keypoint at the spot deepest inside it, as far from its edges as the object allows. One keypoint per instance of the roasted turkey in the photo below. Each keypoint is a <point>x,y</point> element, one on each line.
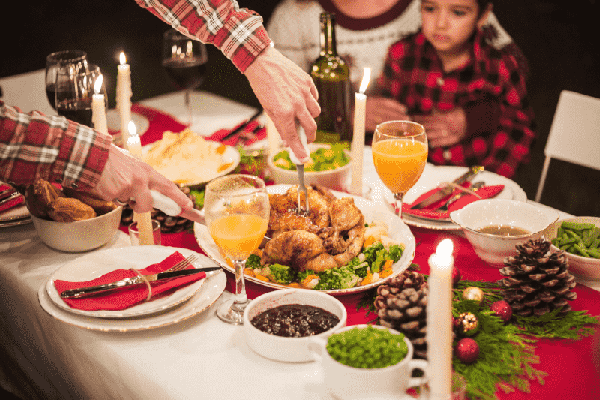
<point>328,237</point>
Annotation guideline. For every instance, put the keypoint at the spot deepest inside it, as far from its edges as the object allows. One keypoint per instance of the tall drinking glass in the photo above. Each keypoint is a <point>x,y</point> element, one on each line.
<point>399,155</point>
<point>74,61</point>
<point>237,214</point>
<point>184,61</point>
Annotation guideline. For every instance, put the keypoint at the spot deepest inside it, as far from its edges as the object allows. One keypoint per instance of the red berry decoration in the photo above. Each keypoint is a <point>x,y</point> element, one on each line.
<point>455,276</point>
<point>502,309</point>
<point>467,350</point>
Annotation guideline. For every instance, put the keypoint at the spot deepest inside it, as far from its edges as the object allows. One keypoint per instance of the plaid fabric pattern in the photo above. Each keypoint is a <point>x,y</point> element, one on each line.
<point>237,32</point>
<point>35,146</point>
<point>413,74</point>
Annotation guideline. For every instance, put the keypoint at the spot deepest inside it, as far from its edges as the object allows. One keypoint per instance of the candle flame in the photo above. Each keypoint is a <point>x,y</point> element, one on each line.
<point>445,248</point>
<point>131,129</point>
<point>365,81</point>
<point>122,58</point>
<point>98,84</point>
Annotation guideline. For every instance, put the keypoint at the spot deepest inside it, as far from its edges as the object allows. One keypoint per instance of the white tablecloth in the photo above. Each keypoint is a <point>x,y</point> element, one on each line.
<point>200,358</point>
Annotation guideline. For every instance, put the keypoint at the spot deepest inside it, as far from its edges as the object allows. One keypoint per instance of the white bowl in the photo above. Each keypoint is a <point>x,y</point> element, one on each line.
<point>493,249</point>
<point>582,267</point>
<point>336,179</point>
<point>284,348</point>
<point>79,235</point>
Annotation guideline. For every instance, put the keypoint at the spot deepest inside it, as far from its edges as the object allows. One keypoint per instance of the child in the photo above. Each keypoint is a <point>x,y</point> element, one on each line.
<point>449,66</point>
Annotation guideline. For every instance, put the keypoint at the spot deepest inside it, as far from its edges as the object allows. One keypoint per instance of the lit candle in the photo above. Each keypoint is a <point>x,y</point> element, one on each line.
<point>99,107</point>
<point>358,137</point>
<point>439,321</point>
<point>124,94</point>
<point>144,220</point>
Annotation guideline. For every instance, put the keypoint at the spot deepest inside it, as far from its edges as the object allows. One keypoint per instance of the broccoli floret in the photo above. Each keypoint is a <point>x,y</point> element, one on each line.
<point>281,274</point>
<point>253,262</point>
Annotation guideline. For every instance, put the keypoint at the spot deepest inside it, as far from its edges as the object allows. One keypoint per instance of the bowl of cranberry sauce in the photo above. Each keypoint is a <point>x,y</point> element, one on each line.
<point>278,324</point>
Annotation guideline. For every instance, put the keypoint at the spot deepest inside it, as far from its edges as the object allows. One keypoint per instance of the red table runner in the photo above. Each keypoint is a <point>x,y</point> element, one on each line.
<point>571,365</point>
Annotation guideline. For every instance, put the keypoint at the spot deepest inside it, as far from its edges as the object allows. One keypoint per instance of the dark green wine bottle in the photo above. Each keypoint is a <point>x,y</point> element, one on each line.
<point>332,79</point>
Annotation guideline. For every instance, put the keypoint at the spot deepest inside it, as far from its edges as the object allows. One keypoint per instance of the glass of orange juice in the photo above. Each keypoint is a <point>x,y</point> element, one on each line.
<point>399,155</point>
<point>237,214</point>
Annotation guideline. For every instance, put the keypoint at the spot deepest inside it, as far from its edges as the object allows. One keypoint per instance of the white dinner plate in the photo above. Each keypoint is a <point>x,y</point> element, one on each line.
<point>435,175</point>
<point>98,263</point>
<point>113,122</point>
<point>398,231</point>
<point>210,291</point>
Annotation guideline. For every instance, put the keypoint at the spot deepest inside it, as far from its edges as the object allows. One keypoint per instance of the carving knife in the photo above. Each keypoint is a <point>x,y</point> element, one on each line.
<point>447,190</point>
<point>136,280</point>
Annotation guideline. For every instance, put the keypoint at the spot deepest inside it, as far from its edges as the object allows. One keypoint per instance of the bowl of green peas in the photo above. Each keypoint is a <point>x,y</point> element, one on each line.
<point>579,238</point>
<point>365,361</point>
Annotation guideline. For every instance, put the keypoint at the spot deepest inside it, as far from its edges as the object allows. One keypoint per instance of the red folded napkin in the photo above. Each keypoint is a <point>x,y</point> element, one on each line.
<point>252,133</point>
<point>120,299</point>
<point>10,203</point>
<point>429,211</point>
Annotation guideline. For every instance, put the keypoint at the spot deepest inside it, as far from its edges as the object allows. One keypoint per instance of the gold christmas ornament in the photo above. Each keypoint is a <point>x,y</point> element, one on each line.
<point>473,293</point>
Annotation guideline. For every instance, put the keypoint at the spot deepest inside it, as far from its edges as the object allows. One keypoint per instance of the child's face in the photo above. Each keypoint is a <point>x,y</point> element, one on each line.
<point>448,24</point>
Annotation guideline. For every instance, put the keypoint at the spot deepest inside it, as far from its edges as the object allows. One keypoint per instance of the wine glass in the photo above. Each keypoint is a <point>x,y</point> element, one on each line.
<point>399,154</point>
<point>184,61</point>
<point>74,91</point>
<point>70,60</point>
<point>237,214</point>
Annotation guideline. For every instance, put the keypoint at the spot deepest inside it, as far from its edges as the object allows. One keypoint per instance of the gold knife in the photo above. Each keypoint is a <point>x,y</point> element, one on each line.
<point>446,190</point>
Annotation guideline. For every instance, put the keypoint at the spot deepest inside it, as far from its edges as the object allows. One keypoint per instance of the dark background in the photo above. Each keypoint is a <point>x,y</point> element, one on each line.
<point>557,37</point>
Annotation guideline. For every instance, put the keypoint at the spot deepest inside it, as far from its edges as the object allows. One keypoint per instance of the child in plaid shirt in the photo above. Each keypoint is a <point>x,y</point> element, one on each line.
<point>450,66</point>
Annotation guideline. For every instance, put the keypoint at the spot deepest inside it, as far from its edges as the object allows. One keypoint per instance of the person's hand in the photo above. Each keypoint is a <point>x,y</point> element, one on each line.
<point>287,94</point>
<point>381,109</point>
<point>125,178</point>
<point>444,128</point>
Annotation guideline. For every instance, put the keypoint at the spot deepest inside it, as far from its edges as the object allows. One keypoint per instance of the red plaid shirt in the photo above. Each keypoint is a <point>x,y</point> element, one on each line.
<point>55,149</point>
<point>413,74</point>
<point>237,32</point>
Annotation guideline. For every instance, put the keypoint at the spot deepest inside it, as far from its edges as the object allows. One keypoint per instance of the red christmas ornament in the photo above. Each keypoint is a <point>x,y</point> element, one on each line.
<point>502,309</point>
<point>455,276</point>
<point>467,350</point>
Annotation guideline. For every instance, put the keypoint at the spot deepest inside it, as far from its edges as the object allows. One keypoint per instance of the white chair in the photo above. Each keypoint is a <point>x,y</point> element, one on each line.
<point>574,135</point>
<point>27,91</point>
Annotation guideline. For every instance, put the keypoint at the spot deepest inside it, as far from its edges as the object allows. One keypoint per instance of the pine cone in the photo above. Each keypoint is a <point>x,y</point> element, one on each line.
<point>168,224</point>
<point>401,304</point>
<point>537,280</point>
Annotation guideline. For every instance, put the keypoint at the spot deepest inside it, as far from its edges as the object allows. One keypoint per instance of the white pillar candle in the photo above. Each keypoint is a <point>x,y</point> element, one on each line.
<point>144,220</point>
<point>124,94</point>
<point>439,321</point>
<point>99,107</point>
<point>358,137</point>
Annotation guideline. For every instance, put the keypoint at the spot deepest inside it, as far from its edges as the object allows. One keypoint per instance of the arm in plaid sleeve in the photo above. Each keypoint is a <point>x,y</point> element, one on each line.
<point>512,143</point>
<point>36,146</point>
<point>237,32</point>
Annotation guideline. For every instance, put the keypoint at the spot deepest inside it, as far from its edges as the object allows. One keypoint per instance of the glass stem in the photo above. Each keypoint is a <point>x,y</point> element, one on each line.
<point>398,203</point>
<point>188,105</point>
<point>240,297</point>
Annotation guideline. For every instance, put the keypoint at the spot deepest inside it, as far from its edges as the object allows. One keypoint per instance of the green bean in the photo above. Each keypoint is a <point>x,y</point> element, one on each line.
<point>577,226</point>
<point>594,253</point>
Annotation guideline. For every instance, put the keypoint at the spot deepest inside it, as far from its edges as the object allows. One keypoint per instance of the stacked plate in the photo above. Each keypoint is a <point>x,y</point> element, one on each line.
<point>178,306</point>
